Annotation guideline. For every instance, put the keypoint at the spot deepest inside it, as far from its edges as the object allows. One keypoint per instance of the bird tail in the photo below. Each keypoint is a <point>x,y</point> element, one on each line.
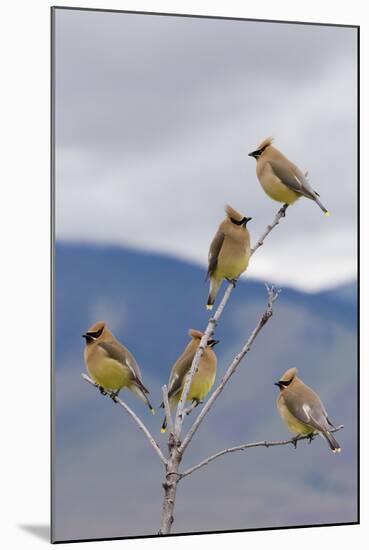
<point>152,410</point>
<point>214,288</point>
<point>164,425</point>
<point>142,395</point>
<point>332,442</point>
<point>321,206</point>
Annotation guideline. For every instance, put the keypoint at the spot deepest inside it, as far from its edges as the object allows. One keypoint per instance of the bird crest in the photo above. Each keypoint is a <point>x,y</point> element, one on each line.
<point>290,374</point>
<point>265,143</point>
<point>97,327</point>
<point>195,333</point>
<point>232,213</point>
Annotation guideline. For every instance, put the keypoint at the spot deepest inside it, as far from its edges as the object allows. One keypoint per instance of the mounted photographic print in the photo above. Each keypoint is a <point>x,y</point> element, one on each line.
<point>205,203</point>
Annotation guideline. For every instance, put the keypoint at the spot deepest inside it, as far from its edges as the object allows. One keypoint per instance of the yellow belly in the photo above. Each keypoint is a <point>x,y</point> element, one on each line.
<point>293,424</point>
<point>109,374</point>
<point>199,389</point>
<point>231,267</point>
<point>275,189</point>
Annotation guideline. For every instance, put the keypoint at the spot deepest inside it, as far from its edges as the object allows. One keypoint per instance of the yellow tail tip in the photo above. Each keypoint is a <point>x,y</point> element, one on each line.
<point>209,307</point>
<point>163,430</point>
<point>152,411</point>
<point>337,450</point>
<point>327,213</point>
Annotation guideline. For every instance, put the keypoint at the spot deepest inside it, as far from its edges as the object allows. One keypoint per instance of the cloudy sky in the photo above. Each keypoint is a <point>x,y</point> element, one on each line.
<point>155,116</point>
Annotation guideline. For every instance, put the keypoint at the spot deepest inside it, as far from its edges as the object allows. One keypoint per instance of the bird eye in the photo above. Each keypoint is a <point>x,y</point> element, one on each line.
<point>259,152</point>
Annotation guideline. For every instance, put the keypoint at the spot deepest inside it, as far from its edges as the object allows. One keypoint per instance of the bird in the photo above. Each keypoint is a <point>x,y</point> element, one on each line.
<point>229,252</point>
<point>203,378</point>
<point>110,365</point>
<point>282,180</point>
<point>302,410</point>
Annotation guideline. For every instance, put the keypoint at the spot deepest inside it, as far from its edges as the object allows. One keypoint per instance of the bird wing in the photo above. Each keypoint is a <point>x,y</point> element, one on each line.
<point>292,178</point>
<point>330,423</point>
<point>178,372</point>
<point>309,411</point>
<point>215,248</point>
<point>125,358</point>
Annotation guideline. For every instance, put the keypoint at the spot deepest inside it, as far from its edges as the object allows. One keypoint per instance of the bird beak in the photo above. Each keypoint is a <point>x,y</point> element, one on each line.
<point>246,221</point>
<point>278,384</point>
<point>84,336</point>
<point>253,154</point>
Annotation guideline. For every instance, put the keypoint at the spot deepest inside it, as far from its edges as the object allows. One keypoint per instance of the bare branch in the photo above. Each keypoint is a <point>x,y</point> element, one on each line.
<point>245,446</point>
<point>280,214</point>
<point>133,415</point>
<point>272,296</point>
<point>168,414</point>
<point>189,409</point>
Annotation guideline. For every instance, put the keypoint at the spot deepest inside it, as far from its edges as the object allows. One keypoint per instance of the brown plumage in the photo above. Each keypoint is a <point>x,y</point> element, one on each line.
<point>229,251</point>
<point>302,410</point>
<point>203,378</point>
<point>110,364</point>
<point>282,180</point>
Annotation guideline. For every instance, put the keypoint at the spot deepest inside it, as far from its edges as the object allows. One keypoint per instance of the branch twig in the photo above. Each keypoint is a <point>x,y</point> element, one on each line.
<point>189,409</point>
<point>245,446</point>
<point>133,415</point>
<point>280,214</point>
<point>272,296</point>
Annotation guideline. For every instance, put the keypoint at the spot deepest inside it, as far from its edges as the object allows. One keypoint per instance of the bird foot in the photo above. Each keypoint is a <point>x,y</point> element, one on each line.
<point>282,211</point>
<point>311,438</point>
<point>114,395</point>
<point>232,281</point>
<point>102,391</point>
<point>294,441</point>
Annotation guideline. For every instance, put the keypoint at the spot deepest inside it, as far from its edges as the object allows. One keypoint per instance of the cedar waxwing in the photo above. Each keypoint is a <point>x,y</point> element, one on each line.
<point>229,252</point>
<point>202,380</point>
<point>302,410</point>
<point>111,365</point>
<point>281,180</point>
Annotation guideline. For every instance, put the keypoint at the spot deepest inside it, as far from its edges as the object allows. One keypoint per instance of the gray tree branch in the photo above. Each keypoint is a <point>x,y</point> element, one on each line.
<point>134,416</point>
<point>190,408</point>
<point>280,214</point>
<point>293,441</point>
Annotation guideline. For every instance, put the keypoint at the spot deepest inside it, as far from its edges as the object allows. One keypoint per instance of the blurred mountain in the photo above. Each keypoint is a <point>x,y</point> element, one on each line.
<point>150,301</point>
<point>346,293</point>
